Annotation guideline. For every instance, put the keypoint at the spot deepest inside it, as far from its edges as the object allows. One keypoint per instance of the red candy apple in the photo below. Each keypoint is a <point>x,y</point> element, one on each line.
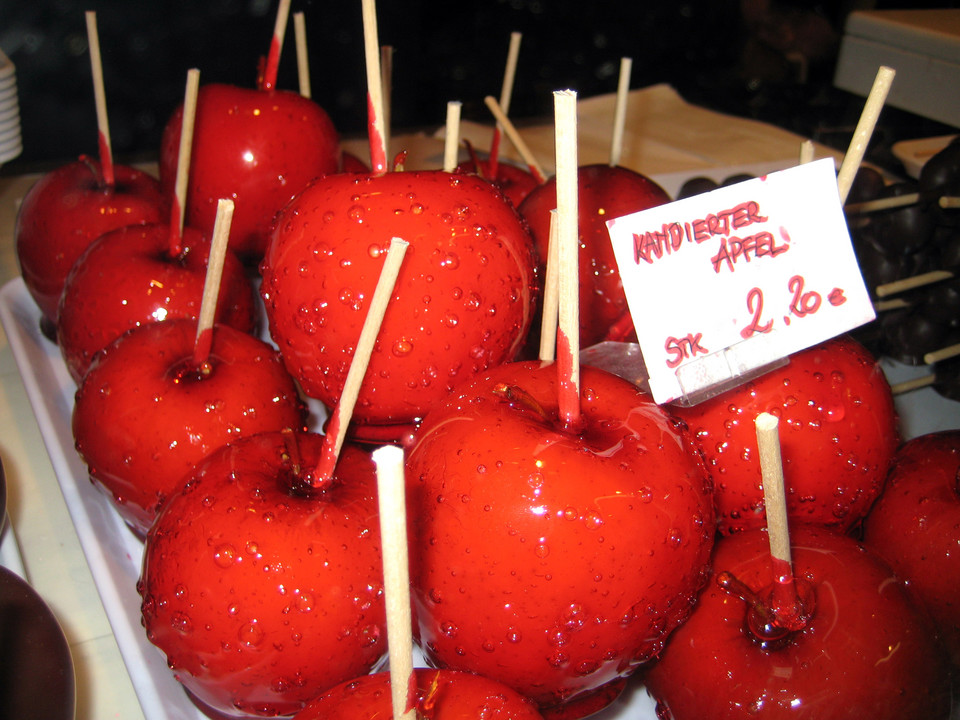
<point>439,695</point>
<point>257,147</point>
<point>605,192</point>
<point>838,434</point>
<point>915,526</point>
<point>147,412</point>
<point>462,302</point>
<point>129,277</point>
<point>263,591</point>
<point>862,650</point>
<point>552,561</point>
<point>66,210</point>
<point>514,182</point>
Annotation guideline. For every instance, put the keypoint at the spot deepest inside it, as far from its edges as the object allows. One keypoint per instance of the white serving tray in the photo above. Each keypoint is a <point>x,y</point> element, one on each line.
<point>112,551</point>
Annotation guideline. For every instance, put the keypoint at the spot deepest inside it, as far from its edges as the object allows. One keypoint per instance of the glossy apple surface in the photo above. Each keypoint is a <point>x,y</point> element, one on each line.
<point>257,147</point>
<point>66,210</point>
<point>439,695</point>
<point>915,526</point>
<point>514,182</point>
<point>146,413</point>
<point>261,591</point>
<point>554,562</point>
<point>128,277</point>
<point>866,652</point>
<point>462,302</point>
<point>838,434</point>
<point>604,193</point>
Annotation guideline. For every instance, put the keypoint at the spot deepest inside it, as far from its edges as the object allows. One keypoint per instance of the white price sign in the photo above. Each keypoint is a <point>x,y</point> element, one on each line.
<point>723,283</point>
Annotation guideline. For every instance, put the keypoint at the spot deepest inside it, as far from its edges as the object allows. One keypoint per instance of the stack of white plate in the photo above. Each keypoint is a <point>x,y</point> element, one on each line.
<point>10,144</point>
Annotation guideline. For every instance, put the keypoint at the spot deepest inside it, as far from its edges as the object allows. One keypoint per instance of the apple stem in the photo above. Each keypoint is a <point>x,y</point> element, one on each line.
<point>511,131</point>
<point>303,58</point>
<point>269,79</point>
<point>211,285</point>
<point>375,113</point>
<point>506,93</point>
<point>340,418</point>
<point>178,207</point>
<point>864,130</point>
<point>100,98</point>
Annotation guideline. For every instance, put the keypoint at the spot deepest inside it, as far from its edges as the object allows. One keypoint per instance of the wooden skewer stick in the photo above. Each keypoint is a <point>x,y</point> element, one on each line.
<point>211,283</point>
<point>386,83</point>
<point>303,57</point>
<point>340,418</point>
<point>942,354</point>
<point>915,384</point>
<point>375,105</point>
<point>506,94</point>
<point>276,45</point>
<point>774,499</point>
<point>620,110</point>
<point>887,305</point>
<point>947,202</point>
<point>396,575</point>
<point>451,146</point>
<point>910,283</point>
<point>861,136</point>
<point>100,99</point>
<point>548,323</point>
<point>178,210</point>
<point>806,152</point>
<point>518,142</point>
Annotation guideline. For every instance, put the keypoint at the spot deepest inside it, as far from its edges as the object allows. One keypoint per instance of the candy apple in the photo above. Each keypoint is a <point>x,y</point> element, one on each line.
<point>439,695</point>
<point>66,210</point>
<point>129,277</point>
<point>257,147</point>
<point>861,648</point>
<point>148,411</point>
<point>915,526</point>
<point>514,182</point>
<point>584,550</point>
<point>838,434</point>
<point>605,192</point>
<point>462,303</point>
<point>263,590</point>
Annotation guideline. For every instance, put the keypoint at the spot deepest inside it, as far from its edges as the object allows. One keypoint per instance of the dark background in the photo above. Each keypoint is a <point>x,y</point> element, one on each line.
<point>768,59</point>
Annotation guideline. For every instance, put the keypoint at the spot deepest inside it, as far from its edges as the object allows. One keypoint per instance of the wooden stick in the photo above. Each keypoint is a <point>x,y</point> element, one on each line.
<point>946,202</point>
<point>340,419</point>
<point>451,146</point>
<point>391,492</point>
<point>100,99</point>
<point>548,323</point>
<point>949,202</point>
<point>568,241</point>
<point>303,57</point>
<point>211,283</point>
<point>806,152</point>
<point>269,81</point>
<point>178,209</point>
<point>942,354</point>
<point>916,384</point>
<point>518,143</point>
<point>887,305</point>
<point>864,130</point>
<point>910,283</point>
<point>620,110</point>
<point>774,498</point>
<point>375,106</point>
<point>386,82</point>
<point>506,94</point>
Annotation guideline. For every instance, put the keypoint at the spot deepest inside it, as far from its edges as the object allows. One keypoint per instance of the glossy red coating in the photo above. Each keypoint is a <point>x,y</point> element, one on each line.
<point>553,562</point>
<point>256,147</point>
<point>837,429</point>
<point>127,278</point>
<point>66,210</point>
<point>915,526</point>
<point>144,414</point>
<point>439,695</point>
<point>514,182</point>
<point>867,652</point>
<point>462,303</point>
<point>604,192</point>
<point>261,592</point>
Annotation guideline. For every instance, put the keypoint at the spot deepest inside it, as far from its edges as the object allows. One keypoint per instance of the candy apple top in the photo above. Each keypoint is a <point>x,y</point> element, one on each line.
<point>257,147</point>
<point>605,192</point>
<point>838,434</point>
<point>462,303</point>
<point>262,591</point>
<point>584,551</point>
<point>66,210</point>
<point>915,526</point>
<point>440,695</point>
<point>127,277</point>
<point>145,413</point>
<point>514,182</point>
<point>866,652</point>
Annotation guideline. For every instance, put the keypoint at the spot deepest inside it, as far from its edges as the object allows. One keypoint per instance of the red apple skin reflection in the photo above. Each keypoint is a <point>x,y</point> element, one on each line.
<point>127,278</point>
<point>144,415</point>
<point>514,182</point>
<point>838,434</point>
<point>462,303</point>
<point>257,147</point>
<point>915,526</point>
<point>553,562</point>
<point>605,192</point>
<point>440,695</point>
<point>66,210</point>
<point>867,652</point>
<point>261,596</point>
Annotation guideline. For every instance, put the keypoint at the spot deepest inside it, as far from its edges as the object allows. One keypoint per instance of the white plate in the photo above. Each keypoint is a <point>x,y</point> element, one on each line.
<point>915,153</point>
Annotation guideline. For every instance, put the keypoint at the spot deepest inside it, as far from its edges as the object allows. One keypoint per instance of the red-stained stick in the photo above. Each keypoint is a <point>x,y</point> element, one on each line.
<point>100,98</point>
<point>376,126</point>
<point>506,94</point>
<point>211,284</point>
<point>179,204</point>
<point>269,81</point>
